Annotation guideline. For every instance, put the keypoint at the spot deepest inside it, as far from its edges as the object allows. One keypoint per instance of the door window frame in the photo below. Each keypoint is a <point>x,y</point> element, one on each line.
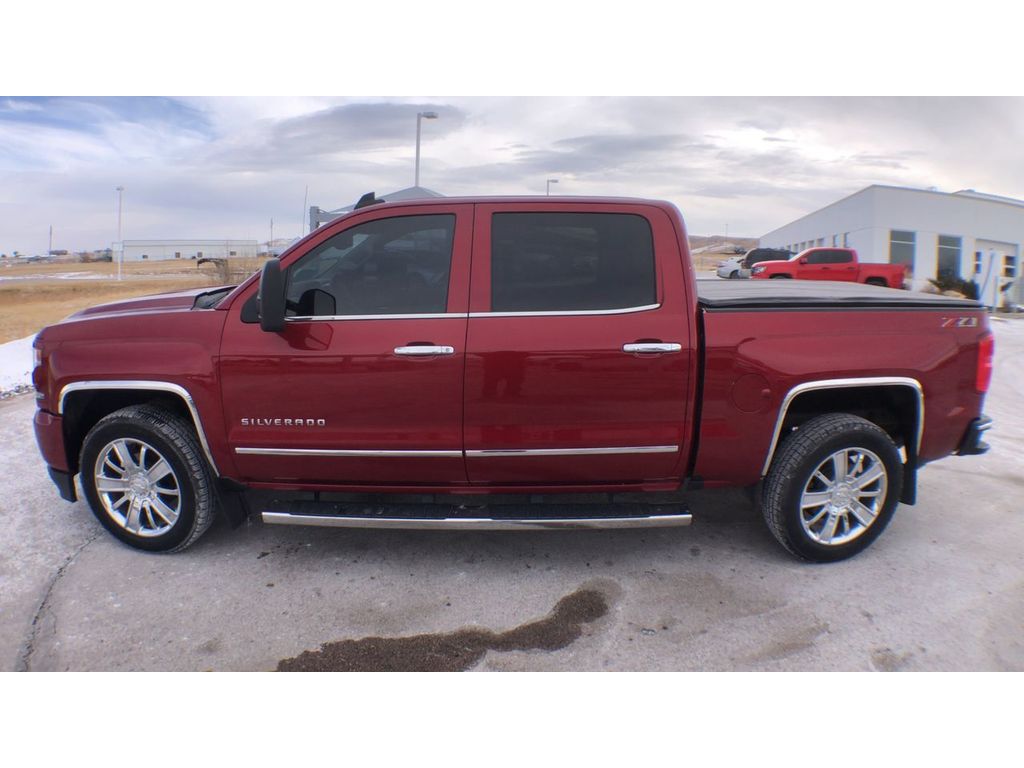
<point>480,289</point>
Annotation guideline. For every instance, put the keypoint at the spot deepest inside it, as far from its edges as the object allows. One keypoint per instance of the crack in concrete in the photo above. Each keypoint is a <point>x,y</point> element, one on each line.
<point>28,647</point>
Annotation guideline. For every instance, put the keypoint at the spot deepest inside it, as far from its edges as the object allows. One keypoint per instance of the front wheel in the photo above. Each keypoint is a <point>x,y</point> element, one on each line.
<point>833,487</point>
<point>145,478</point>
<point>779,277</point>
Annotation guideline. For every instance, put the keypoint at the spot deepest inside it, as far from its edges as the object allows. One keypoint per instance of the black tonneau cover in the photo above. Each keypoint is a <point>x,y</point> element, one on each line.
<point>801,294</point>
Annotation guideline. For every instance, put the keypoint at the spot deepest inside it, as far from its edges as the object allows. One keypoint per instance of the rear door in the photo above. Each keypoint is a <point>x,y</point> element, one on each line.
<point>580,350</point>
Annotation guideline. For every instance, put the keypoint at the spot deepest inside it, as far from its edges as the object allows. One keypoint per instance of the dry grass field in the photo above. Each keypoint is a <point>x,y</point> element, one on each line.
<point>36,295</point>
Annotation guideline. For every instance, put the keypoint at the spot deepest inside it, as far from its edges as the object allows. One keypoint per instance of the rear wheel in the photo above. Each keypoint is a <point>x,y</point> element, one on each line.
<point>145,479</point>
<point>734,275</point>
<point>876,281</point>
<point>833,487</point>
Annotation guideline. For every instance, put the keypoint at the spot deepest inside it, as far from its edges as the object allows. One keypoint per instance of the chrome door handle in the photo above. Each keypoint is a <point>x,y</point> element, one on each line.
<point>652,347</point>
<point>424,349</point>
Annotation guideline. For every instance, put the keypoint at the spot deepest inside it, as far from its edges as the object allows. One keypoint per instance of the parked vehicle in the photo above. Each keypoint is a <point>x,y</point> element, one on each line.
<point>832,264</point>
<point>730,268</point>
<point>740,268</point>
<point>477,350</point>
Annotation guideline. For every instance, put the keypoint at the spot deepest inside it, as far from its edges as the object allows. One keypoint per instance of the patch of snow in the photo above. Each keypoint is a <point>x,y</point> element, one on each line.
<point>16,366</point>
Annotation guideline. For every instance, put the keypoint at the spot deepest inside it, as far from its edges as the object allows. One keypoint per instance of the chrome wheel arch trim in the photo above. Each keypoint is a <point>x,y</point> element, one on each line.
<point>149,385</point>
<point>857,383</point>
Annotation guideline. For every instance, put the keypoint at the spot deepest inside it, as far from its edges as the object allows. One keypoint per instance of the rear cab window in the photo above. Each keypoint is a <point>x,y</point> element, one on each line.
<point>571,262</point>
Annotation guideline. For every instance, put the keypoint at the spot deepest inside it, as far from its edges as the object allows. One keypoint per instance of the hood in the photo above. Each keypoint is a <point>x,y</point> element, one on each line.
<point>173,300</point>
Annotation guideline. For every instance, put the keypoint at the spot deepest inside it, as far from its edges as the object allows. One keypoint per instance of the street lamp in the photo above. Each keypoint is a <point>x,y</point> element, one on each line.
<point>120,241</point>
<point>550,182</point>
<point>419,118</point>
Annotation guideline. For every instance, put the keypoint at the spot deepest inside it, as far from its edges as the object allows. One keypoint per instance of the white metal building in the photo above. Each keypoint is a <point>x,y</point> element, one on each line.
<point>159,250</point>
<point>967,234</point>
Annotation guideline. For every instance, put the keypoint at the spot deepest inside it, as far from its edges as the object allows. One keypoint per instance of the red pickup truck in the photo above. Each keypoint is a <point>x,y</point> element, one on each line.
<point>441,363</point>
<point>839,264</point>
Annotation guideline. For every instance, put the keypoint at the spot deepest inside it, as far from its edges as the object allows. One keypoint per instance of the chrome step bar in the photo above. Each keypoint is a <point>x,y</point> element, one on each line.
<point>478,523</point>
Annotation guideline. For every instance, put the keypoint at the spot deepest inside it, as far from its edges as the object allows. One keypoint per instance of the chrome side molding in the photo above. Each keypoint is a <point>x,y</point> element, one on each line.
<point>158,386</point>
<point>491,452</point>
<point>874,381</point>
<point>478,523</point>
<point>343,452</point>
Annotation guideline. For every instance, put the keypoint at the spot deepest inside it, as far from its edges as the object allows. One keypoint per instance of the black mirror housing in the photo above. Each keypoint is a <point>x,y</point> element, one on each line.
<point>270,299</point>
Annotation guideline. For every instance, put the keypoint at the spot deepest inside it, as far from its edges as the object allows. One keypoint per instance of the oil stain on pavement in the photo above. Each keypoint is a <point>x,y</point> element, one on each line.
<point>454,651</point>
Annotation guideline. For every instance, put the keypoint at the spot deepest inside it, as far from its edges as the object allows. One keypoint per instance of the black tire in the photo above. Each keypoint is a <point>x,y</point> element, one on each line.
<point>734,275</point>
<point>173,439</point>
<point>876,281</point>
<point>792,472</point>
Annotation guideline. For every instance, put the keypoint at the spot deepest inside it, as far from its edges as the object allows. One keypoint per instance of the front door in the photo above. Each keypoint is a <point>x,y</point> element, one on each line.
<point>578,363</point>
<point>364,385</point>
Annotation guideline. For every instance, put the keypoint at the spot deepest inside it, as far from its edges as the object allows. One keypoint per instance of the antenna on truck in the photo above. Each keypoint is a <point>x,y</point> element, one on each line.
<point>368,199</point>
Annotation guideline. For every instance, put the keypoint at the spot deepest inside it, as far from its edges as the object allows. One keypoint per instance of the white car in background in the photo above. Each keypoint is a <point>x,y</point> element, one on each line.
<point>730,267</point>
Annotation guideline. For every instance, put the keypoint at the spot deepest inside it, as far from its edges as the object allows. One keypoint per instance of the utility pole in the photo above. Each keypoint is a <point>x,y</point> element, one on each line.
<point>49,251</point>
<point>305,212</point>
<point>120,240</point>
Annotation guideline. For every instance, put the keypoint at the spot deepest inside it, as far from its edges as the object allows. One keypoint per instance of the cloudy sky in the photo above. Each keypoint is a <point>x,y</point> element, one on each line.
<point>223,167</point>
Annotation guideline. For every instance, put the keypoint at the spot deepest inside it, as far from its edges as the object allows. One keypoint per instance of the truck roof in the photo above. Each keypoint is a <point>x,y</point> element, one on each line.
<point>822,294</point>
<point>528,199</point>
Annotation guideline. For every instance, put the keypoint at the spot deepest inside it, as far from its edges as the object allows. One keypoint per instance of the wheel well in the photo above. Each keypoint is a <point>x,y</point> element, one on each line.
<point>893,408</point>
<point>876,281</point>
<point>84,408</point>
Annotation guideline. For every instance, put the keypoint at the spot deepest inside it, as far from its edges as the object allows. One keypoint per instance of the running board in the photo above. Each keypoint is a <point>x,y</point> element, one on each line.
<point>498,518</point>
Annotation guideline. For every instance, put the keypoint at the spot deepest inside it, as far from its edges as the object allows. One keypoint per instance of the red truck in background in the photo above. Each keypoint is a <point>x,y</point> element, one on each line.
<point>838,264</point>
<point>479,352</point>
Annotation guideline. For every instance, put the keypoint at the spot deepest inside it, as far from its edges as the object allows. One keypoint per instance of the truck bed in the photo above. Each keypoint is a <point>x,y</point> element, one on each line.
<point>814,294</point>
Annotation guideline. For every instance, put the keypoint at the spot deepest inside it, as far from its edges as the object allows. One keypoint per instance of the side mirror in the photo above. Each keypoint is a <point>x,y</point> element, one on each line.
<point>803,260</point>
<point>270,299</point>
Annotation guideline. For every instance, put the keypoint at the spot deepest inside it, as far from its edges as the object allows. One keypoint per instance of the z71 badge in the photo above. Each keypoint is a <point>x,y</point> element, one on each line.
<point>959,322</point>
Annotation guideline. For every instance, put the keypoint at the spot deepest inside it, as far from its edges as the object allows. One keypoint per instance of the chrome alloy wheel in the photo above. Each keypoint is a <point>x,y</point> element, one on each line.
<point>843,496</point>
<point>137,487</point>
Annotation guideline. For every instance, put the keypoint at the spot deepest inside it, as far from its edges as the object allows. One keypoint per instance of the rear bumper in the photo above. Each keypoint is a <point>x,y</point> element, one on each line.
<point>972,444</point>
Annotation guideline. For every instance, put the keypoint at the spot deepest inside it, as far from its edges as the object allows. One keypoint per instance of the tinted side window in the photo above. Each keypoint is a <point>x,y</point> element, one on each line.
<point>571,262</point>
<point>393,266</point>
<point>830,257</point>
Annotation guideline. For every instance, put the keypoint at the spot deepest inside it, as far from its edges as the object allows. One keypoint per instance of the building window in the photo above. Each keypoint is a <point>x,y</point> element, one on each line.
<point>177,254</point>
<point>199,254</point>
<point>145,256</point>
<point>821,241</point>
<point>977,262</point>
<point>1009,266</point>
<point>846,239</point>
<point>949,256</point>
<point>232,253</point>
<point>901,249</point>
<point>835,240</point>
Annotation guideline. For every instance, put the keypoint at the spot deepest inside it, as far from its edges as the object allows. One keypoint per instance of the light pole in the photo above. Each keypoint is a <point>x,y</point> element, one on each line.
<point>120,242</point>
<point>419,119</point>
<point>550,182</point>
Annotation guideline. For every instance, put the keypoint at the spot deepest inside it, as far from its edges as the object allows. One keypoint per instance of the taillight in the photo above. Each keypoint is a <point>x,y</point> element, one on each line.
<point>986,348</point>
